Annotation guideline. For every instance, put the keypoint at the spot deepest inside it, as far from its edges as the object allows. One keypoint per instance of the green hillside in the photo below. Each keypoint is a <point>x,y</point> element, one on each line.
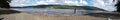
<point>66,7</point>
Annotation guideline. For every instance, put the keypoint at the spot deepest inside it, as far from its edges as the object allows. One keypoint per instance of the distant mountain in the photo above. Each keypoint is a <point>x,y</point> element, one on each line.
<point>65,7</point>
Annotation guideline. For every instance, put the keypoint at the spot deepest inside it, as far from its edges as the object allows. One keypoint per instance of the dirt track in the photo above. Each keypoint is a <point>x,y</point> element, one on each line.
<point>25,16</point>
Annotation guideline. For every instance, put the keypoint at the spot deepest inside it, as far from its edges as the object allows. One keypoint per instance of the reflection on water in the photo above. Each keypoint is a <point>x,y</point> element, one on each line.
<point>52,12</point>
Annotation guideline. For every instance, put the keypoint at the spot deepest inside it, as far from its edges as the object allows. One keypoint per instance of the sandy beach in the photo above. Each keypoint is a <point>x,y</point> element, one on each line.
<point>26,16</point>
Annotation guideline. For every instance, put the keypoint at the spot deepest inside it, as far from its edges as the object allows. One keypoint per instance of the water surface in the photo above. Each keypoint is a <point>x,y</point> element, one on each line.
<point>53,12</point>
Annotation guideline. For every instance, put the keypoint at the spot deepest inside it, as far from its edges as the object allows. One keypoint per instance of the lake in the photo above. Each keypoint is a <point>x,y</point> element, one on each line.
<point>53,12</point>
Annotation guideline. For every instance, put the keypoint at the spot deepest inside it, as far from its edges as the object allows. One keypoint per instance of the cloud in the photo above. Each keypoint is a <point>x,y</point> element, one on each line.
<point>18,2</point>
<point>74,2</point>
<point>51,0</point>
<point>46,2</point>
<point>41,3</point>
<point>110,1</point>
<point>63,2</point>
<point>83,2</point>
<point>15,4</point>
<point>70,2</point>
<point>104,5</point>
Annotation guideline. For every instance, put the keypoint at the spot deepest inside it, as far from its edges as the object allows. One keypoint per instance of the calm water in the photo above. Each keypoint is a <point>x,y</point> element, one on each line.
<point>53,12</point>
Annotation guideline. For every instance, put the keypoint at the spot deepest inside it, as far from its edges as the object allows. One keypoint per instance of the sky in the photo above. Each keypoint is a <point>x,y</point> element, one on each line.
<point>103,4</point>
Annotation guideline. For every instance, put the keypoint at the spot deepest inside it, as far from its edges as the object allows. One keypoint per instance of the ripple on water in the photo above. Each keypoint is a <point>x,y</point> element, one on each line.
<point>54,12</point>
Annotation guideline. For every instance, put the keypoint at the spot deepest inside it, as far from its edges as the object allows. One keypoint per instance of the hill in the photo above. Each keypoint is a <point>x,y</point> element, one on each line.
<point>65,7</point>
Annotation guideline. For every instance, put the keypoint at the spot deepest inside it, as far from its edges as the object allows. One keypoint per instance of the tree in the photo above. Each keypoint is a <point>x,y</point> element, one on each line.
<point>5,4</point>
<point>118,6</point>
